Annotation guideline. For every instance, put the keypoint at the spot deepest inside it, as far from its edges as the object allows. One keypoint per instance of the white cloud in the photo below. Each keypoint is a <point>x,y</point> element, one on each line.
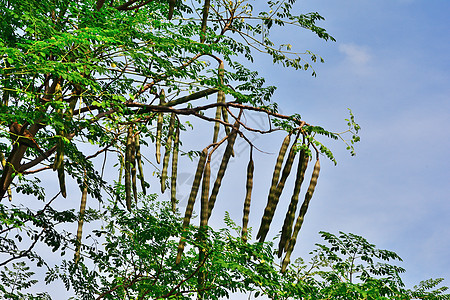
<point>358,55</point>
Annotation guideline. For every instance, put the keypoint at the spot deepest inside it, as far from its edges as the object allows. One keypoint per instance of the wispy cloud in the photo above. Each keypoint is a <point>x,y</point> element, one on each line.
<point>357,55</point>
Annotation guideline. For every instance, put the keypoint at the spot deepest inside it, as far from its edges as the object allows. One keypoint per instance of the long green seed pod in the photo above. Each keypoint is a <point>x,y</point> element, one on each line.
<point>119,180</point>
<point>222,168</point>
<point>204,21</point>
<point>167,153</point>
<point>59,157</point>
<point>128,154</point>
<point>265,222</point>
<point>205,194</point>
<point>191,200</point>
<point>59,166</point>
<point>203,221</point>
<point>275,197</point>
<point>173,184</point>
<point>60,143</point>
<point>3,160</point>
<point>62,181</point>
<point>81,221</point>
<point>133,167</point>
<point>225,118</point>
<point>286,231</point>
<point>220,99</point>
<point>159,125</point>
<point>220,94</point>
<point>248,197</point>
<point>139,162</point>
<point>303,209</point>
<point>158,137</point>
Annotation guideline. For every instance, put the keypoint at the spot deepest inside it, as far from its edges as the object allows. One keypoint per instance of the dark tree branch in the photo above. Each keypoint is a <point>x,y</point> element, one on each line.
<point>126,5</point>
<point>39,159</point>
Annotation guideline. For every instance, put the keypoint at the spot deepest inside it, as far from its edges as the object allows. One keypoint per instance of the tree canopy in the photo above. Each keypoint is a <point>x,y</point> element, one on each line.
<point>129,77</point>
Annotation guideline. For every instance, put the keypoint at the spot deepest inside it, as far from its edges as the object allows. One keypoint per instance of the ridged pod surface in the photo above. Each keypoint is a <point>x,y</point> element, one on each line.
<point>128,154</point>
<point>158,137</point>
<point>3,160</point>
<point>81,221</point>
<point>133,166</point>
<point>191,200</point>
<point>173,184</point>
<point>62,180</point>
<point>58,165</point>
<point>301,217</point>
<point>275,196</point>
<point>266,219</point>
<point>139,162</point>
<point>159,124</point>
<point>223,166</point>
<point>167,153</point>
<point>248,198</point>
<point>59,157</point>
<point>225,116</point>
<point>220,99</point>
<point>286,231</point>
<point>205,194</point>
<point>119,181</point>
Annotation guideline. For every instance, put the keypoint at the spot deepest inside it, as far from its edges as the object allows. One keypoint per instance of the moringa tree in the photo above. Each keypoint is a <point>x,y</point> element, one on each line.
<point>121,75</point>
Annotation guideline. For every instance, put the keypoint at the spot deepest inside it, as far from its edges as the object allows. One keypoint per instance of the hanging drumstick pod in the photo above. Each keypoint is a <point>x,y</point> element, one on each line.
<point>286,231</point>
<point>133,166</point>
<point>159,124</point>
<point>3,160</point>
<point>59,157</point>
<point>218,114</point>
<point>167,153</point>
<point>173,184</point>
<point>248,197</point>
<point>220,99</point>
<point>62,180</point>
<point>275,196</point>
<point>225,118</point>
<point>264,227</point>
<point>58,164</point>
<point>139,162</point>
<point>158,137</point>
<point>223,166</point>
<point>303,210</point>
<point>128,154</point>
<point>119,181</point>
<point>202,233</point>
<point>205,193</point>
<point>287,167</point>
<point>191,200</point>
<point>84,191</point>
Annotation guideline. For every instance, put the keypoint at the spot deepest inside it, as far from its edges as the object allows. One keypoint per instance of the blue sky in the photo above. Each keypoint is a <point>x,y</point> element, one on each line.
<point>390,65</point>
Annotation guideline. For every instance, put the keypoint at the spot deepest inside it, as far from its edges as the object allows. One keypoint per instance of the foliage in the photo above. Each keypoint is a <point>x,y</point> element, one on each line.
<point>124,75</point>
<point>19,225</point>
<point>349,267</point>
<point>125,78</point>
<point>137,259</point>
<point>14,281</point>
<point>133,257</point>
